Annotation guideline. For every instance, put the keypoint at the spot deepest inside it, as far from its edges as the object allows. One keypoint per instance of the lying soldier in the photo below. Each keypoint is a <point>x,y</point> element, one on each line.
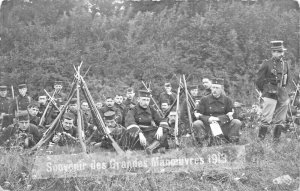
<point>22,133</point>
<point>145,126</point>
<point>66,132</point>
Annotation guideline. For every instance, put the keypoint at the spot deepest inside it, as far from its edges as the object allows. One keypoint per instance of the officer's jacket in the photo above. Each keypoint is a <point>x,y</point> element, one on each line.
<point>216,107</point>
<point>12,131</point>
<point>104,109</point>
<point>4,105</point>
<point>143,117</point>
<point>269,76</point>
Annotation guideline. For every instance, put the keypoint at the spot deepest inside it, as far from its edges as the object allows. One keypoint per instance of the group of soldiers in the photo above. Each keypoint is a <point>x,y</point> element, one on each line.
<point>136,123</point>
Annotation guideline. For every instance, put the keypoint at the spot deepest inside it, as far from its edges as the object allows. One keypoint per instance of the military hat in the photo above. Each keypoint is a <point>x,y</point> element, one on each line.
<point>69,115</point>
<point>165,101</point>
<point>58,82</point>
<point>277,45</point>
<point>23,116</point>
<point>20,86</point>
<point>130,90</point>
<point>3,88</point>
<point>144,93</point>
<point>73,100</point>
<point>168,84</point>
<point>219,81</point>
<point>33,104</point>
<point>109,115</point>
<point>192,87</point>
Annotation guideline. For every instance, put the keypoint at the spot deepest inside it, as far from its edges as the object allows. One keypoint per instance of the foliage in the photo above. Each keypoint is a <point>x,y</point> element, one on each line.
<point>42,40</point>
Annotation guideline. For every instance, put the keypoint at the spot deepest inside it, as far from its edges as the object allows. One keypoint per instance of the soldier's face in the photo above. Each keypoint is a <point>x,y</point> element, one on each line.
<point>109,102</point>
<point>110,123</point>
<point>23,91</point>
<point>144,101</point>
<point>168,88</point>
<point>118,99</point>
<point>73,107</point>
<point>33,111</point>
<point>216,90</point>
<point>206,83</point>
<point>194,92</point>
<point>98,104</point>
<point>172,117</point>
<point>57,87</point>
<point>67,124</point>
<point>23,124</point>
<point>42,100</point>
<point>3,93</point>
<point>84,106</point>
<point>164,106</point>
<point>277,53</point>
<point>130,95</point>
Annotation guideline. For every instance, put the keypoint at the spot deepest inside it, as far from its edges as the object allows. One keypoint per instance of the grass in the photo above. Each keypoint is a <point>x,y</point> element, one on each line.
<point>265,161</point>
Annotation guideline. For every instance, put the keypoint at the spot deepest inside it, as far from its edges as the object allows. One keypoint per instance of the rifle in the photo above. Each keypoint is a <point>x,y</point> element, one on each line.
<point>177,117</point>
<point>51,99</point>
<point>188,110</point>
<point>46,110</point>
<point>98,119</point>
<point>79,123</point>
<point>259,94</point>
<point>157,107</point>
<point>12,92</point>
<point>297,90</point>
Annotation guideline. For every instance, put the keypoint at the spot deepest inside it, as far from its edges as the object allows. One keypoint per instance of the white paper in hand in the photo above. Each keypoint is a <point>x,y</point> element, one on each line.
<point>216,129</point>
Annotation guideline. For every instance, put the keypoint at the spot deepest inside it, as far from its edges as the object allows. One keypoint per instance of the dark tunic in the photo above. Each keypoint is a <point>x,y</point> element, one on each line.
<point>105,109</point>
<point>23,102</point>
<point>164,96</point>
<point>11,135</point>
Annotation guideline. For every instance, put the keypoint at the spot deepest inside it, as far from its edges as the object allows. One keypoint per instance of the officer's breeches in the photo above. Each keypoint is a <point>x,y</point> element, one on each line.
<point>274,110</point>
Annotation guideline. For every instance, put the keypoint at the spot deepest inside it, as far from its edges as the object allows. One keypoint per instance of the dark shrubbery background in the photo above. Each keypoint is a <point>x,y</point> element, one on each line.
<point>127,42</point>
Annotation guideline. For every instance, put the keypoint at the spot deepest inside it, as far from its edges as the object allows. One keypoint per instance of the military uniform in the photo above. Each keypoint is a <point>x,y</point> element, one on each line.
<point>272,78</point>
<point>146,120</point>
<point>211,106</point>
<point>5,103</point>
<point>164,96</point>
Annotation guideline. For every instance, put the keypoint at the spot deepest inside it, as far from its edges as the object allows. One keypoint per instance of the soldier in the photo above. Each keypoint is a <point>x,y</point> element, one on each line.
<point>22,100</point>
<point>5,118</point>
<point>72,108</point>
<point>164,106</point>
<point>60,97</point>
<point>144,123</point>
<point>99,105</point>
<point>67,132</point>
<point>167,94</point>
<point>110,106</point>
<point>272,78</point>
<point>130,100</point>
<point>119,104</point>
<point>22,133</point>
<point>216,108</point>
<point>33,110</point>
<point>207,86</point>
<point>117,131</point>
<point>42,100</point>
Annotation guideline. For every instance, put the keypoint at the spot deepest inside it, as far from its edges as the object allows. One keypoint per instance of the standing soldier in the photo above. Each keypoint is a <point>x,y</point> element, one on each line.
<point>272,78</point>
<point>145,126</point>
<point>60,97</point>
<point>167,95</point>
<point>4,108</point>
<point>22,100</point>
<point>216,108</point>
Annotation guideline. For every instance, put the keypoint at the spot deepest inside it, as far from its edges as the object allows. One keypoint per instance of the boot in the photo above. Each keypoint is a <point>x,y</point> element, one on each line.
<point>277,132</point>
<point>150,148</point>
<point>262,132</point>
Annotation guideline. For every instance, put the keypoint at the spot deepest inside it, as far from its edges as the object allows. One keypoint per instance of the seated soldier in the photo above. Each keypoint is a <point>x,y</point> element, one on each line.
<point>145,126</point>
<point>66,132</point>
<point>164,106</point>
<point>110,106</point>
<point>216,108</point>
<point>33,110</point>
<point>117,132</point>
<point>22,133</point>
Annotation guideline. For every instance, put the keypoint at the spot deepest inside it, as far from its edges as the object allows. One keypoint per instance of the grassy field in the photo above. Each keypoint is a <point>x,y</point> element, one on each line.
<point>265,161</point>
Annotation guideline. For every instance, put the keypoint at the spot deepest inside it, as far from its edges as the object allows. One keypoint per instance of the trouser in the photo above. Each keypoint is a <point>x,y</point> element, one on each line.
<point>230,131</point>
<point>273,111</point>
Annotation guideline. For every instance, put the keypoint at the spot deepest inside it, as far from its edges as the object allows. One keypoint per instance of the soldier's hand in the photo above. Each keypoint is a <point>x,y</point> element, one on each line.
<point>159,133</point>
<point>56,138</point>
<point>197,115</point>
<point>142,138</point>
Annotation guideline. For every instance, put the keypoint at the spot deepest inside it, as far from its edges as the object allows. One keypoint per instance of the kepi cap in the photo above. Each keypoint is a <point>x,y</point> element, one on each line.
<point>69,116</point>
<point>109,115</point>
<point>23,115</point>
<point>3,88</point>
<point>144,93</point>
<point>21,86</point>
<point>277,45</point>
<point>219,81</point>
